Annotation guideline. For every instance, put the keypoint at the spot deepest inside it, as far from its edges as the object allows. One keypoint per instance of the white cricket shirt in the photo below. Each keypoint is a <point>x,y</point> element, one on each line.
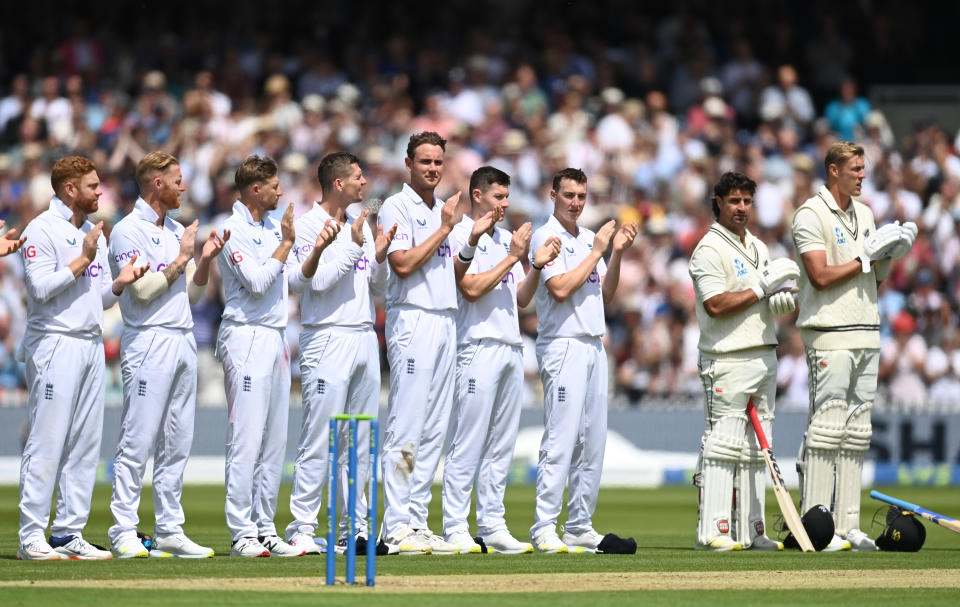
<point>581,315</point>
<point>254,283</point>
<point>138,234</point>
<point>56,301</point>
<point>494,315</point>
<point>341,291</point>
<point>432,286</point>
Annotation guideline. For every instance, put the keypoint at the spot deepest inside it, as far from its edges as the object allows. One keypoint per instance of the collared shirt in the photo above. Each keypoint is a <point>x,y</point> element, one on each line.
<point>138,234</point>
<point>432,286</point>
<point>581,314</point>
<point>341,291</point>
<point>254,283</point>
<point>56,301</point>
<point>721,263</point>
<point>494,314</point>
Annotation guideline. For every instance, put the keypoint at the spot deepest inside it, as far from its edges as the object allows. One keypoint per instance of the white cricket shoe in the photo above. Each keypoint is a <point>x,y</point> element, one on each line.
<point>859,541</point>
<point>463,543</point>
<point>587,541</point>
<point>762,542</point>
<point>305,542</point>
<point>837,544</point>
<point>75,548</point>
<point>721,543</point>
<point>437,544</point>
<point>248,547</point>
<point>406,541</point>
<point>501,541</point>
<point>278,547</point>
<point>548,542</point>
<point>178,545</point>
<point>38,550</point>
<point>129,548</point>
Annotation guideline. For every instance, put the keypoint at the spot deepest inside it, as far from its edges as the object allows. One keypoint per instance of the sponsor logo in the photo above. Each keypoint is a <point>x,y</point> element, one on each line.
<point>142,387</point>
<point>48,392</point>
<point>362,264</point>
<point>321,386</point>
<point>277,234</point>
<point>30,252</point>
<point>161,267</point>
<point>569,250</point>
<point>94,270</point>
<point>422,223</point>
<point>740,267</point>
<point>410,366</point>
<point>401,236</point>
<point>506,247</point>
<point>256,241</point>
<point>247,383</point>
<point>304,249</point>
<point>236,257</point>
<point>594,277</point>
<point>823,365</point>
<point>841,239</point>
<point>562,394</point>
<point>71,241</point>
<point>156,241</point>
<point>482,248</point>
<point>758,527</point>
<point>126,255</point>
<point>508,278</point>
<point>444,251</point>
<point>471,386</point>
<point>719,390</point>
<point>723,525</point>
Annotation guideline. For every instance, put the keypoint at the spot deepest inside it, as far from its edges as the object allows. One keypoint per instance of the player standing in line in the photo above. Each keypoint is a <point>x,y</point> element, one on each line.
<point>573,364</point>
<point>256,360</point>
<point>68,286</point>
<point>489,364</point>
<point>421,346</point>
<point>736,286</point>
<point>158,359</point>
<point>339,352</point>
<point>844,256</point>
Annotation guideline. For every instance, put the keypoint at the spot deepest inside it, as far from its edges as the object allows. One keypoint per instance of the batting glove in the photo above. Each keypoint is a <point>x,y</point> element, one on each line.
<point>880,244</point>
<point>908,235</point>
<point>782,302</point>
<point>774,274</point>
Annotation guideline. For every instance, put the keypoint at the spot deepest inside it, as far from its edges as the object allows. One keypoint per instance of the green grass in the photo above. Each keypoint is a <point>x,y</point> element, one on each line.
<point>662,521</point>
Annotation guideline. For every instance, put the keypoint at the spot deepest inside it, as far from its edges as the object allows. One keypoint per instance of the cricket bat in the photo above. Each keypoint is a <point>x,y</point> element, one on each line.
<point>944,521</point>
<point>787,508</point>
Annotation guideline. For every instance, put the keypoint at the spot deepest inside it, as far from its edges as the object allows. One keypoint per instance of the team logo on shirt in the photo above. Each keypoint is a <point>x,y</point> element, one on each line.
<point>142,387</point>
<point>841,239</point>
<point>740,267</point>
<point>48,392</point>
<point>482,248</point>
<point>569,250</point>
<point>562,394</point>
<point>471,386</point>
<point>247,383</point>
<point>422,223</point>
<point>71,241</point>
<point>156,241</point>
<point>256,241</point>
<point>321,386</point>
<point>410,366</point>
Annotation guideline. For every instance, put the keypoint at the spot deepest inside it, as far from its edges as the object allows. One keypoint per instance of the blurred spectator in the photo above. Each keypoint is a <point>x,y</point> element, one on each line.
<point>847,113</point>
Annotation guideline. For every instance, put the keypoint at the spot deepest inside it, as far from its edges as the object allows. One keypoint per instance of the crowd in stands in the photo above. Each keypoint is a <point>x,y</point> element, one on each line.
<point>652,108</point>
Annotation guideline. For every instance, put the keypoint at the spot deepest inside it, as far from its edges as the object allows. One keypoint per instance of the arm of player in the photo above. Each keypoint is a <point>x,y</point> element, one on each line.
<point>241,261</point>
<point>287,236</point>
<point>621,242</point>
<point>9,243</point>
<point>476,285</point>
<point>708,275</point>
<point>337,262</point>
<point>197,280</point>
<point>129,274</point>
<point>44,281</point>
<point>406,262</point>
<point>461,263</point>
<point>541,257</point>
<point>809,243</point>
<point>378,273</point>
<point>564,285</point>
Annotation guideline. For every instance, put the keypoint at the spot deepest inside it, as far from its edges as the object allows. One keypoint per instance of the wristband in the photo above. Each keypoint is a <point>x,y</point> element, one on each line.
<point>535,266</point>
<point>756,289</point>
<point>467,251</point>
<point>463,259</point>
<point>864,263</point>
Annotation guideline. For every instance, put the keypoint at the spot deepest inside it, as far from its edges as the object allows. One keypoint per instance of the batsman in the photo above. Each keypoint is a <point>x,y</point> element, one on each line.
<point>738,289</point>
<point>844,257</point>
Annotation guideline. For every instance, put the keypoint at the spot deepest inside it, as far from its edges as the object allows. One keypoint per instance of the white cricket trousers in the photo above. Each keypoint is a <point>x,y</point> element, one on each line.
<point>159,369</point>
<point>65,379</point>
<point>574,375</point>
<point>339,373</point>
<point>256,365</point>
<point>485,423</point>
<point>421,349</point>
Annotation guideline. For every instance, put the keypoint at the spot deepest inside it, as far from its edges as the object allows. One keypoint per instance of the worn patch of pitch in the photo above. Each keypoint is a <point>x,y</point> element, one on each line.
<point>547,582</point>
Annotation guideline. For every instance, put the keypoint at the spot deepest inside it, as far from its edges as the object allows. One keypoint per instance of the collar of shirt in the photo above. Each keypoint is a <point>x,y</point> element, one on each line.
<point>241,209</point>
<point>556,225</point>
<point>413,197</point>
<point>733,235</point>
<point>61,209</point>
<point>144,211</point>
<point>827,197</point>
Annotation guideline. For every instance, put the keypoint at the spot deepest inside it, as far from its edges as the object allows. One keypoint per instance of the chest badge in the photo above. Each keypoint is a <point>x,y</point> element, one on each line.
<point>841,239</point>
<point>71,241</point>
<point>740,267</point>
<point>156,241</point>
<point>256,241</point>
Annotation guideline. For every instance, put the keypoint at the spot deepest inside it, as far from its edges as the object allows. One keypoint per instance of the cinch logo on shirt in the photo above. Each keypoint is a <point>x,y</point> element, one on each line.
<point>303,250</point>
<point>594,277</point>
<point>94,270</point>
<point>126,255</point>
<point>401,236</point>
<point>740,267</point>
<point>444,251</point>
<point>362,264</point>
<point>841,239</point>
<point>508,278</point>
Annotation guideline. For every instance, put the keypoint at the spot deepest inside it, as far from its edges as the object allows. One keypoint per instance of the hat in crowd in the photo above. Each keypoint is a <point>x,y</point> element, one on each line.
<point>818,523</point>
<point>611,95</point>
<point>276,85</point>
<point>715,107</point>
<point>313,102</point>
<point>711,85</point>
<point>903,533</point>
<point>514,141</point>
<point>155,79</point>
<point>904,322</point>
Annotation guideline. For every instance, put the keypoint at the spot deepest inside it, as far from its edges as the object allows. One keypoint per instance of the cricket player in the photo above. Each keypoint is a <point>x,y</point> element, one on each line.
<point>489,363</point>
<point>68,286</point>
<point>737,295</point>
<point>844,256</point>
<point>256,360</point>
<point>573,364</point>
<point>421,346</point>
<point>158,360</point>
<point>339,352</point>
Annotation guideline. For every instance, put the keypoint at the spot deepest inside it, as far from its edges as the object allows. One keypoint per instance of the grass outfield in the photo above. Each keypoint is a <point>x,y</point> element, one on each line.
<point>664,571</point>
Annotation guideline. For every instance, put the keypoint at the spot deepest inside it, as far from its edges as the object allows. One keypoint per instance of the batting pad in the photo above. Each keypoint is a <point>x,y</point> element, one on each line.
<point>819,455</point>
<point>716,494</point>
<point>849,467</point>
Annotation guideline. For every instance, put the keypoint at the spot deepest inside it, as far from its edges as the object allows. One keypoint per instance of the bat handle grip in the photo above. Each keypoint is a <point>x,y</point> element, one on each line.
<point>755,420</point>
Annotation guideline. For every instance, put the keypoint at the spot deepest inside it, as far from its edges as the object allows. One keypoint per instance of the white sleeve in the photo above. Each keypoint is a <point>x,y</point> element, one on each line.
<point>44,281</point>
<point>807,233</point>
<point>707,273</point>
<point>257,278</point>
